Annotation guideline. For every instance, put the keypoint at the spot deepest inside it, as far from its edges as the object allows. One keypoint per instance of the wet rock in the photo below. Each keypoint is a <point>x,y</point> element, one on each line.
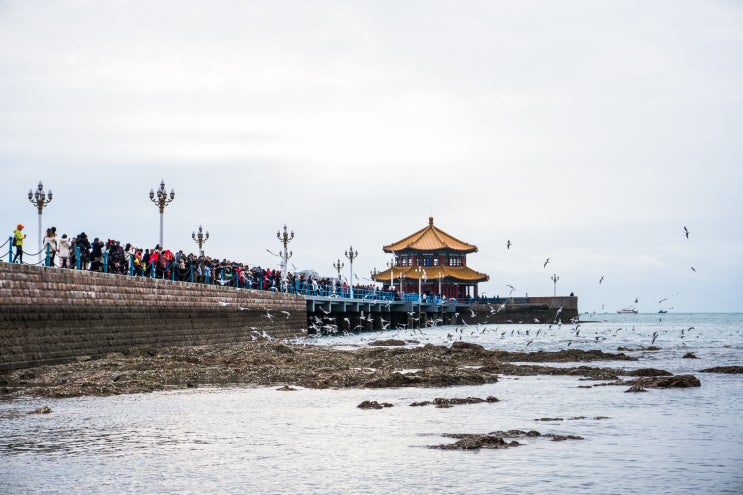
<point>723,369</point>
<point>372,404</point>
<point>475,442</point>
<point>548,419</point>
<point>41,410</point>
<point>649,372</point>
<point>676,381</point>
<point>466,346</point>
<point>689,355</point>
<point>442,403</point>
<point>286,388</point>
<point>388,343</point>
<point>636,388</point>
<point>563,356</point>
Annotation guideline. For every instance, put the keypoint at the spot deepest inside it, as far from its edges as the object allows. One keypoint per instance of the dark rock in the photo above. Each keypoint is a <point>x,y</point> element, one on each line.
<point>689,355</point>
<point>372,404</point>
<point>286,388</point>
<point>388,343</point>
<point>41,410</point>
<point>723,369</point>
<point>548,419</point>
<point>466,346</point>
<point>441,402</point>
<point>676,381</point>
<point>635,388</point>
<point>649,372</point>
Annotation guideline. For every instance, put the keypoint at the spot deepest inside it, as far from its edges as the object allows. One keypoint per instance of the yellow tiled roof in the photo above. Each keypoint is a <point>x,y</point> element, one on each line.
<point>458,273</point>
<point>430,238</point>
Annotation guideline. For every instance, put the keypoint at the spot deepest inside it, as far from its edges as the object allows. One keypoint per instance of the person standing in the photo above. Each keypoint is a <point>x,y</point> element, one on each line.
<point>18,237</point>
<point>63,250</point>
<point>50,240</point>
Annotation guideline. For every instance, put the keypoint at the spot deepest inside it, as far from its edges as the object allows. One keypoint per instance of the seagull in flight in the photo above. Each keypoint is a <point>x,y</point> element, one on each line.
<point>508,244</point>
<point>693,269</point>
<point>545,263</point>
<point>686,231</point>
<point>601,279</point>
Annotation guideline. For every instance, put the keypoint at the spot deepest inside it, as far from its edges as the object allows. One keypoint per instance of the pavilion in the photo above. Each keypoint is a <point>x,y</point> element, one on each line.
<point>434,262</point>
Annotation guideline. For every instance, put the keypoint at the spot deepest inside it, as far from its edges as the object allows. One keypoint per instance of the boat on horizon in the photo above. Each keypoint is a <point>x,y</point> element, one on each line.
<point>627,311</point>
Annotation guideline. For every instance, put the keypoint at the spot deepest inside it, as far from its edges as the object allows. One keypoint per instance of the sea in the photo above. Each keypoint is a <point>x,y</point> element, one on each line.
<point>239,440</point>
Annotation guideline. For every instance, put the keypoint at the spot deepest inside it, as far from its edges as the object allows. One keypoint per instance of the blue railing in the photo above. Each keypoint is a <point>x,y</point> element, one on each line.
<point>256,281</point>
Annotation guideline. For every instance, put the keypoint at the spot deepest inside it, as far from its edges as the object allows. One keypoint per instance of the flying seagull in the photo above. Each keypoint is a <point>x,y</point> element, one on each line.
<point>693,269</point>
<point>601,279</point>
<point>686,231</point>
<point>545,263</point>
<point>508,244</point>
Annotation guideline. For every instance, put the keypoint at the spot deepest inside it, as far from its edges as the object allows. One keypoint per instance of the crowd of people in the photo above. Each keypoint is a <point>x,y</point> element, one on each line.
<point>111,256</point>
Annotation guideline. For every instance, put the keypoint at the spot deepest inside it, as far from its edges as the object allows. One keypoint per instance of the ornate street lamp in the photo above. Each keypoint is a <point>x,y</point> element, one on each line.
<point>391,265</point>
<point>39,200</point>
<point>421,277</point>
<point>284,238</point>
<point>440,276</point>
<point>338,265</point>
<point>351,255</point>
<point>161,200</point>
<point>555,278</point>
<point>401,277</point>
<point>200,239</point>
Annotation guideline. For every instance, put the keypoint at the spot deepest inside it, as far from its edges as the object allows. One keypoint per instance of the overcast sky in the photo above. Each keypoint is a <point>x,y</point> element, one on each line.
<point>589,132</point>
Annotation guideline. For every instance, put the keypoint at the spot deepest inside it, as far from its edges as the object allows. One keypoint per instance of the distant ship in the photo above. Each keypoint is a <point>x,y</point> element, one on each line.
<point>627,311</point>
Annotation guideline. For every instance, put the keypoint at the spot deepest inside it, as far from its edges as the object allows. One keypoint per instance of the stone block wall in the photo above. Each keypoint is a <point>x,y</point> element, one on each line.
<point>50,315</point>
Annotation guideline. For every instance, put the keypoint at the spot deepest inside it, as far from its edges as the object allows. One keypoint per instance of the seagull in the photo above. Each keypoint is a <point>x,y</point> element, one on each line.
<point>686,231</point>
<point>655,336</point>
<point>288,314</point>
<point>693,269</point>
<point>511,287</point>
<point>223,303</point>
<point>601,279</point>
<point>472,312</point>
<point>269,315</point>
<point>545,263</point>
<point>508,244</point>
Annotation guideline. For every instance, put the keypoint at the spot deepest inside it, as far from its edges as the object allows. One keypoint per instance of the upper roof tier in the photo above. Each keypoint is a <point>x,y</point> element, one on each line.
<point>430,238</point>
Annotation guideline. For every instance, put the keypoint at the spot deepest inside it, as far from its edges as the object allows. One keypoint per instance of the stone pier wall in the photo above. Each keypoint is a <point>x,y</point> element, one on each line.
<point>51,315</point>
<point>521,310</point>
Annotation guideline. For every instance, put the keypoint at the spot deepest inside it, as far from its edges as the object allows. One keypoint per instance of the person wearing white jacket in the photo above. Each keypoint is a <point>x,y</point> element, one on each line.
<point>63,252</point>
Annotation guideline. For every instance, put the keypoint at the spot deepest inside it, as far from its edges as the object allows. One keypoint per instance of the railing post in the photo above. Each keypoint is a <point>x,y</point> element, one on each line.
<point>10,248</point>
<point>152,268</point>
<point>47,259</point>
<point>105,262</point>
<point>190,277</point>
<point>77,257</point>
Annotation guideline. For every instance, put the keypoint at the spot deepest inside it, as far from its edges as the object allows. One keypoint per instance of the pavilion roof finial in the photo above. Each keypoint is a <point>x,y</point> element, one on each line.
<point>430,221</point>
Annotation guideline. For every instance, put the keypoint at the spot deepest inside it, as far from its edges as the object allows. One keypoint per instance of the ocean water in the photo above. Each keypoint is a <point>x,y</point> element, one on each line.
<point>262,440</point>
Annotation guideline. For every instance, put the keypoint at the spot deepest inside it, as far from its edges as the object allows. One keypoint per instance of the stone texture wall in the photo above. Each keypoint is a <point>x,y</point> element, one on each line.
<point>535,310</point>
<point>50,315</point>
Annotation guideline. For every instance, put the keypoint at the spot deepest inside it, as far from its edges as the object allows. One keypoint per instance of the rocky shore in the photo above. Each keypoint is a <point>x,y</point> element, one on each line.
<point>274,363</point>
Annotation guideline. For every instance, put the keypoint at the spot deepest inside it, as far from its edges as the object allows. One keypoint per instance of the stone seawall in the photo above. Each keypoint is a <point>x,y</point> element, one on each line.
<point>51,315</point>
<point>521,310</point>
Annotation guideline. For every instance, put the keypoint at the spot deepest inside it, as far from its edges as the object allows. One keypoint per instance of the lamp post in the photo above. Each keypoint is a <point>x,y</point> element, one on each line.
<point>440,276</point>
<point>391,265</point>
<point>401,277</point>
<point>162,200</point>
<point>421,277</point>
<point>338,265</point>
<point>39,200</point>
<point>555,278</point>
<point>200,239</point>
<point>351,255</point>
<point>284,238</point>
<point>373,274</point>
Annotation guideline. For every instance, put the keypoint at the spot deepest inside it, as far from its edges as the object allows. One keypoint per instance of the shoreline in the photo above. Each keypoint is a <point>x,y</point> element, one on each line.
<point>382,364</point>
